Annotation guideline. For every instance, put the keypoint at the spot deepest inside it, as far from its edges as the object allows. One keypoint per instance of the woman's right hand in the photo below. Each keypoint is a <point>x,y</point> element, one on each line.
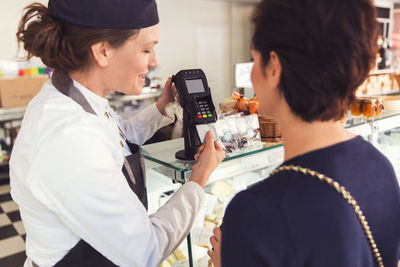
<point>208,158</point>
<point>215,252</point>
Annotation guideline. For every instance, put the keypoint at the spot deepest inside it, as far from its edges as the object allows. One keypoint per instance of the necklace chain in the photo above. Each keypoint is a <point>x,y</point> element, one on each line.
<point>346,194</point>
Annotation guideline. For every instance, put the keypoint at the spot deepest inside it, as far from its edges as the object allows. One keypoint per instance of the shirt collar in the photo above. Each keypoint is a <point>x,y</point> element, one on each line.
<point>97,102</point>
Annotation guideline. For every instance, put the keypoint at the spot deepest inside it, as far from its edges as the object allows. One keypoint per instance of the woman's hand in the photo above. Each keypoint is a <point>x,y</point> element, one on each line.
<point>215,253</point>
<point>167,97</point>
<point>208,158</point>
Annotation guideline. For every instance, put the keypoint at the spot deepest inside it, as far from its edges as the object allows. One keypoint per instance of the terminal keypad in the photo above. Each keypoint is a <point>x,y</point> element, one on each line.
<point>203,109</point>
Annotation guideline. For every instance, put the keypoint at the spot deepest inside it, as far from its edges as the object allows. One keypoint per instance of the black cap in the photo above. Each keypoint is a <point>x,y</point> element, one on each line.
<point>106,14</point>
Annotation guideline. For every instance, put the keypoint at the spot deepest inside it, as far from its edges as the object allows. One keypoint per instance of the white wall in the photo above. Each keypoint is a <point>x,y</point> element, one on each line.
<point>241,32</point>
<point>10,14</point>
<point>196,34</point>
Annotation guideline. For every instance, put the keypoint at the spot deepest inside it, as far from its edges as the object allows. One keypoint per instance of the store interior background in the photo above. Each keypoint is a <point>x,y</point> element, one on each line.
<point>213,35</point>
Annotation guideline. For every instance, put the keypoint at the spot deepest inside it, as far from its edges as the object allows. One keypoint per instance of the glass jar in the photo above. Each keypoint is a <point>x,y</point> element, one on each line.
<point>369,107</point>
<point>379,106</point>
<point>356,108</point>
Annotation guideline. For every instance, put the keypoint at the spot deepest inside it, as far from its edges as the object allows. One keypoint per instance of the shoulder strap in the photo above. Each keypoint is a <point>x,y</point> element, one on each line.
<point>65,85</point>
<point>346,195</point>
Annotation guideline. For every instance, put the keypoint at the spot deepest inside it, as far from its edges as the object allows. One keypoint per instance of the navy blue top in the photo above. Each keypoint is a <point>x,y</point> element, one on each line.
<point>291,219</point>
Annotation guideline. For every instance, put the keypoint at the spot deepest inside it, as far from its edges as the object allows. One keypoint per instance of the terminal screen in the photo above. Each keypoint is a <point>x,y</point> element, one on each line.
<point>195,86</point>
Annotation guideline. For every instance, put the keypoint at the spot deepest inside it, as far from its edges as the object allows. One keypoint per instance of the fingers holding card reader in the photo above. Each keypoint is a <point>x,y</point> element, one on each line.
<point>198,108</point>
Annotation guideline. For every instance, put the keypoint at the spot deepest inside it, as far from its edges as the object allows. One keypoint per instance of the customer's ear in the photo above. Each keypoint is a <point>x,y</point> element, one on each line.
<point>274,69</point>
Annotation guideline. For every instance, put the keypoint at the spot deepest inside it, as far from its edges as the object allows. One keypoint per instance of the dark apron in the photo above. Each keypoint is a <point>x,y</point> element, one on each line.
<point>82,254</point>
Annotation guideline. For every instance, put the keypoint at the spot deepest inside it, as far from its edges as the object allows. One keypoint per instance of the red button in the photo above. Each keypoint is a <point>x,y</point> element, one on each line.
<point>199,117</point>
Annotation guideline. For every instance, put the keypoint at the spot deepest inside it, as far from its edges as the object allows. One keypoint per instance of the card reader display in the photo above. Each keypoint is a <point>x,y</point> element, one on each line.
<point>198,108</point>
<point>195,86</point>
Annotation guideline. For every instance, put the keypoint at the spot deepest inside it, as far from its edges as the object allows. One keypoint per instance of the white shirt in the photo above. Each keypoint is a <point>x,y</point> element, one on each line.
<point>66,176</point>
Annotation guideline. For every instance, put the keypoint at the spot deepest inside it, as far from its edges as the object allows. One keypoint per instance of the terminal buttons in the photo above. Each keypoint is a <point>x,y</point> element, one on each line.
<point>203,110</point>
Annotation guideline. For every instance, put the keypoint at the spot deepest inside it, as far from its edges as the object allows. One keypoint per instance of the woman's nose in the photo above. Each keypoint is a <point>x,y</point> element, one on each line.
<point>153,62</point>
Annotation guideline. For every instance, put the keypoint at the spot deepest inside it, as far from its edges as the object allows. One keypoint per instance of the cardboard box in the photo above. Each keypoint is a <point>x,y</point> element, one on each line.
<point>17,92</point>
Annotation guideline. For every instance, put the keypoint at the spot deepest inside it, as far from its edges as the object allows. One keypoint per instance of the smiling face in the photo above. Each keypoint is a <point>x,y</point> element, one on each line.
<point>129,64</point>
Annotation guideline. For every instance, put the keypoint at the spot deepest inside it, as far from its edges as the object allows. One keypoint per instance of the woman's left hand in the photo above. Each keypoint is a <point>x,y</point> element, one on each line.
<point>167,97</point>
<point>215,253</point>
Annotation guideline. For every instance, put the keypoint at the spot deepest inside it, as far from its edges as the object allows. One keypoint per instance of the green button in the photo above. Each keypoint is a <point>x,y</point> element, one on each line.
<point>209,115</point>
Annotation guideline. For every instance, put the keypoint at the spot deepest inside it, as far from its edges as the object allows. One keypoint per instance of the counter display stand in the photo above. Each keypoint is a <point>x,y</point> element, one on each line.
<point>237,173</point>
<point>10,119</point>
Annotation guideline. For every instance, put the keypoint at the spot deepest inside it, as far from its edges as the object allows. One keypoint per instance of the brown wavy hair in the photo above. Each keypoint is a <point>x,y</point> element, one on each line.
<point>326,47</point>
<point>61,45</point>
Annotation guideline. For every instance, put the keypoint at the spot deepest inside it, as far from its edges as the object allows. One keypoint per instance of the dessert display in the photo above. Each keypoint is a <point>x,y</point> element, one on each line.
<point>237,103</point>
<point>218,196</point>
<point>235,133</point>
<point>268,127</point>
<point>369,107</point>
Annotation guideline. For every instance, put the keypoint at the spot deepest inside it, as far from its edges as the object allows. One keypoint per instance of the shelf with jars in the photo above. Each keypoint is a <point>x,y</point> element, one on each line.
<point>379,83</point>
<point>236,173</point>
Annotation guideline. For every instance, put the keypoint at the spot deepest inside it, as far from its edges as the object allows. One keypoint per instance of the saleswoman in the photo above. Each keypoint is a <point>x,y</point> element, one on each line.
<point>76,170</point>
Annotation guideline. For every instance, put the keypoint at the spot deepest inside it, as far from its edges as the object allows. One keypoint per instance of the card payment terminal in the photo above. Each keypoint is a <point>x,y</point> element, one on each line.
<point>198,108</point>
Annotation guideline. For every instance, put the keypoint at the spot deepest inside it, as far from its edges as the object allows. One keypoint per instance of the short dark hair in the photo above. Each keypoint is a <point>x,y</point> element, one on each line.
<point>326,48</point>
<point>61,45</point>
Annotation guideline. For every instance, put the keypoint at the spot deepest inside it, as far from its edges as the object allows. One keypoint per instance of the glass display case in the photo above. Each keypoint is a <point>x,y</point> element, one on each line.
<point>10,121</point>
<point>237,172</point>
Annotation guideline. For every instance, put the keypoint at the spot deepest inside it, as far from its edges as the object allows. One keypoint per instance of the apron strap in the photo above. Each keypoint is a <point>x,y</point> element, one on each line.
<point>65,85</point>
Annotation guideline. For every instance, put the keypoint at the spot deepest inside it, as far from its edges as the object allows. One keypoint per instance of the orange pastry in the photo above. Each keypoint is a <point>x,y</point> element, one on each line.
<point>242,104</point>
<point>236,95</point>
<point>253,106</point>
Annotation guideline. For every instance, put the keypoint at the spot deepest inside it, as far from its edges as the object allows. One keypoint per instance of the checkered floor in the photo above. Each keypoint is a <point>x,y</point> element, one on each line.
<point>12,232</point>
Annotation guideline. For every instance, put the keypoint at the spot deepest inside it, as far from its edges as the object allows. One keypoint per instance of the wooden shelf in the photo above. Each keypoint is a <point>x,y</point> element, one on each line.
<point>385,71</point>
<point>393,92</point>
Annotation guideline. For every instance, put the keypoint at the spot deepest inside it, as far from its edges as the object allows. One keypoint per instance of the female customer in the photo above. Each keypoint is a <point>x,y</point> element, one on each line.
<point>309,58</point>
<point>76,170</point>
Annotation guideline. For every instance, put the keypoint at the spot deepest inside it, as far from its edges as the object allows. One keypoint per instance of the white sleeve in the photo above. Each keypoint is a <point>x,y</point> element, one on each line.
<point>77,174</point>
<point>142,126</point>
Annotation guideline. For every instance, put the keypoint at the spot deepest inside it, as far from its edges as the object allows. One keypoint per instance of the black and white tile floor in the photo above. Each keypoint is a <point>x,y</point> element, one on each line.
<point>12,232</point>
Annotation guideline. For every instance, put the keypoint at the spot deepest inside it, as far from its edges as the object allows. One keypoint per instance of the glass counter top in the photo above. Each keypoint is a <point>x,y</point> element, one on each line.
<point>354,121</point>
<point>164,152</point>
<point>364,126</point>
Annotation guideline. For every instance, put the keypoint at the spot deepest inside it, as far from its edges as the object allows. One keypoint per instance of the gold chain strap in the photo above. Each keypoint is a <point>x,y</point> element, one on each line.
<point>346,194</point>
